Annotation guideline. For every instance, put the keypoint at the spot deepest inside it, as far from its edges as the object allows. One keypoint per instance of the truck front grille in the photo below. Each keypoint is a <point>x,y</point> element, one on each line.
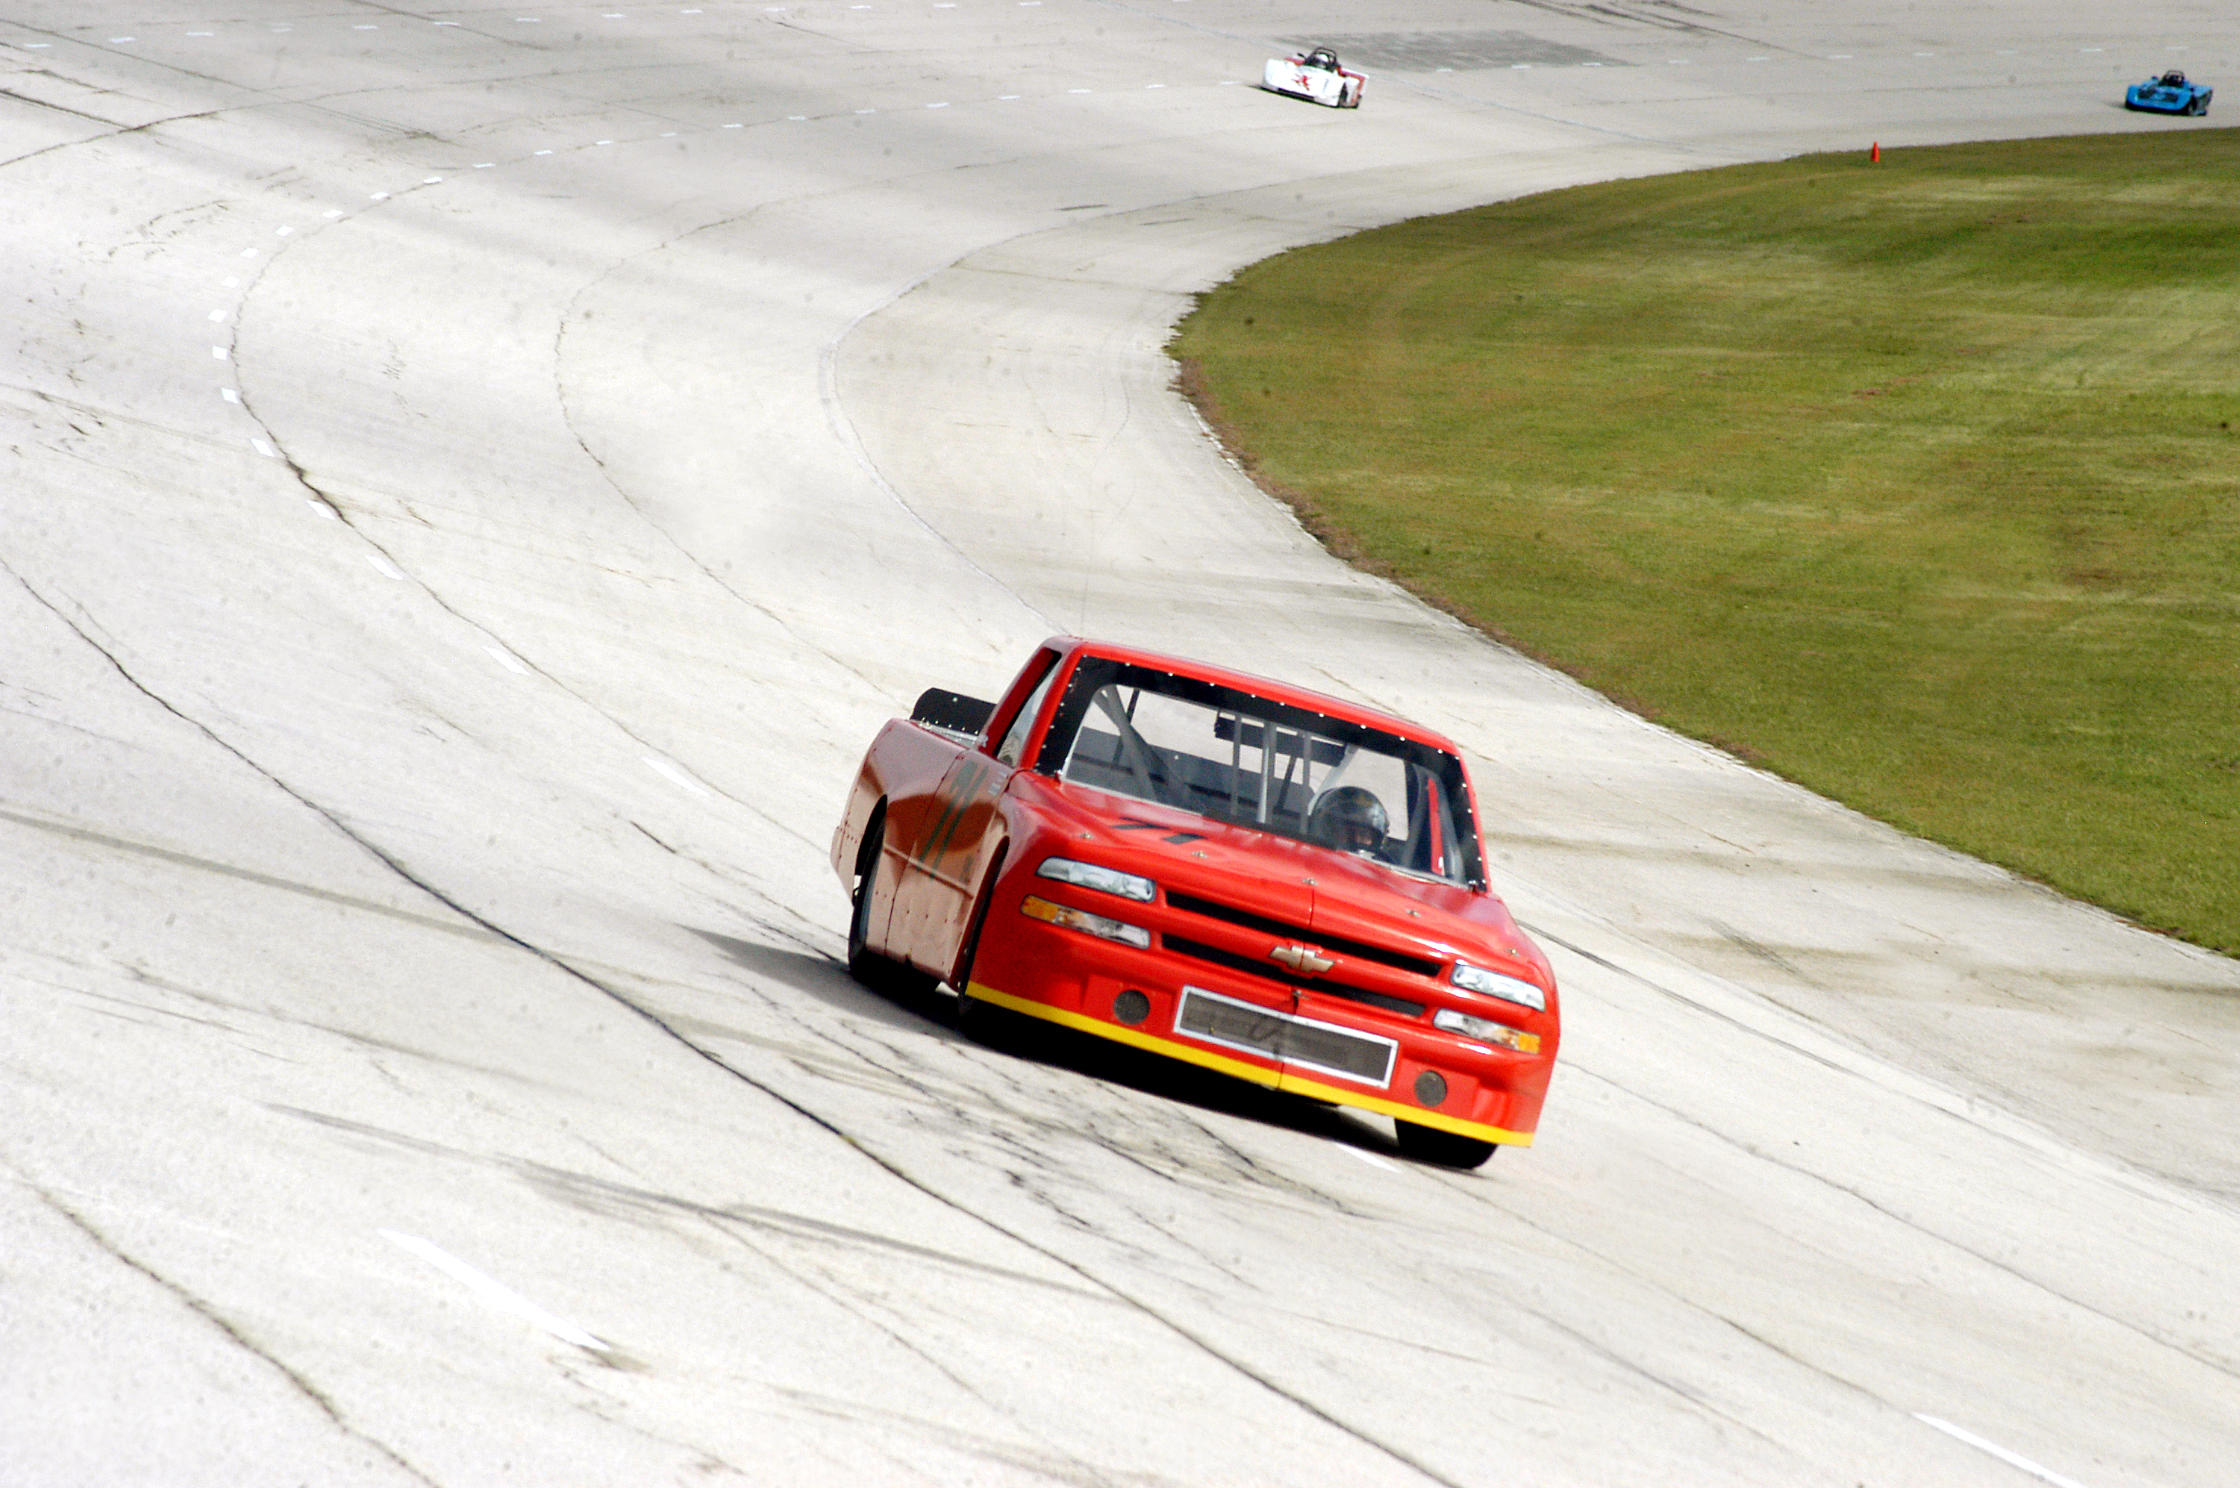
<point>1230,914</point>
<point>1198,950</point>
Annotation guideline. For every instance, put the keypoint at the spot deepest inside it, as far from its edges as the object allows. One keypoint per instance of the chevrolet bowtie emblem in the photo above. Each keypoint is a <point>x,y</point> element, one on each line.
<point>1302,960</point>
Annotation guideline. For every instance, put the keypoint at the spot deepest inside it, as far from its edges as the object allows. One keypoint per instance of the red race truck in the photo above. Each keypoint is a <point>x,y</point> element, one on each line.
<point>1258,879</point>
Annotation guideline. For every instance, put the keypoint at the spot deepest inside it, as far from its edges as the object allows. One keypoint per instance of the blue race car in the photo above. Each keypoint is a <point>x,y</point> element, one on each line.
<point>2168,94</point>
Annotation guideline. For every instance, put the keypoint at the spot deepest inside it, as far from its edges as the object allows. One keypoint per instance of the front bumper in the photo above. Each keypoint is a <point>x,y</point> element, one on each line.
<point>2159,102</point>
<point>1203,1014</point>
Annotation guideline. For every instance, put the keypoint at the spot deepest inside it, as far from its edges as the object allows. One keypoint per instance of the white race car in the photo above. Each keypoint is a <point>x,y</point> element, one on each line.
<point>1316,77</point>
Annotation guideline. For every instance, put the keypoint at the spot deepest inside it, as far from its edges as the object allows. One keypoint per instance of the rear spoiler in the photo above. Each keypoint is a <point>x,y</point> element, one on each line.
<point>952,712</point>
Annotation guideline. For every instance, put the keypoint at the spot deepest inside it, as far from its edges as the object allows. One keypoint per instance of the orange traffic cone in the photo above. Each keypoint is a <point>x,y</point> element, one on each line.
<point>1875,154</point>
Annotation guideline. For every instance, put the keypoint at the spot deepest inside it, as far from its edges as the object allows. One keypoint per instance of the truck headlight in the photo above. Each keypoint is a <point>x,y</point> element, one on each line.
<point>1095,876</point>
<point>1034,907</point>
<point>1486,1030</point>
<point>1494,984</point>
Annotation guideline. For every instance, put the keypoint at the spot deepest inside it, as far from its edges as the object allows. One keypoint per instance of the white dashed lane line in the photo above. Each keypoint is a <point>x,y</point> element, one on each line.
<point>1370,1158</point>
<point>674,773</point>
<point>381,564</point>
<point>507,659</point>
<point>2012,1459</point>
<point>493,1293</point>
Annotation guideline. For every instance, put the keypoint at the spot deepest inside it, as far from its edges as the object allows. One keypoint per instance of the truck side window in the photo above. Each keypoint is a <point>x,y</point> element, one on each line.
<point>1015,738</point>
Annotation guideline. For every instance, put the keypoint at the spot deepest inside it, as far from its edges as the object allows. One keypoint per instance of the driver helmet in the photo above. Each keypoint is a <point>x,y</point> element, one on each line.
<point>1323,57</point>
<point>1350,819</point>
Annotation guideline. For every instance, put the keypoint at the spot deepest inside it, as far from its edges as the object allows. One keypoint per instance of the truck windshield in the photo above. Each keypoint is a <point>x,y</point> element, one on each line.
<point>1251,761</point>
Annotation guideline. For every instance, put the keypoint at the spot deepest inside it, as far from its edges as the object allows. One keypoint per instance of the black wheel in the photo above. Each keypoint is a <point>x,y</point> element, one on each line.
<point>999,1028</point>
<point>1431,1145</point>
<point>976,1020</point>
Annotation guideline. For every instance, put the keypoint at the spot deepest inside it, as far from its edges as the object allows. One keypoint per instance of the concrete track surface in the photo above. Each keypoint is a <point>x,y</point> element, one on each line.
<point>475,480</point>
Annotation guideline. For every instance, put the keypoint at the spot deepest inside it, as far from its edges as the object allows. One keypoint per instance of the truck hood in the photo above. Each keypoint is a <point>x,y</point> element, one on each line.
<point>1327,893</point>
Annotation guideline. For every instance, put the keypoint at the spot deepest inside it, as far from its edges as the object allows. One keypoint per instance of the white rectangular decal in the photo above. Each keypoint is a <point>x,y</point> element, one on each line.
<point>1300,1043</point>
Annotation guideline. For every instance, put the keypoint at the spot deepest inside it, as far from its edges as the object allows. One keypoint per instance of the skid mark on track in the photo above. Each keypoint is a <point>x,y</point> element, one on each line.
<point>247,875</point>
<point>621,1200</point>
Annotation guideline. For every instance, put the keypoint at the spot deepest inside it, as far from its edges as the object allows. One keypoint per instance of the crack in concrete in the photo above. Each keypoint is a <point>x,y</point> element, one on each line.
<point>234,1334</point>
<point>567,417</point>
<point>334,508</point>
<point>865,1309</point>
<point>2125,1324</point>
<point>1955,1104</point>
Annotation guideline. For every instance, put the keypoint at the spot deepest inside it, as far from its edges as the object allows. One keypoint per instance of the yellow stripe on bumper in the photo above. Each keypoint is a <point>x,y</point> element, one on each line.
<point>1312,1089</point>
<point>1338,1095</point>
<point>981,992</point>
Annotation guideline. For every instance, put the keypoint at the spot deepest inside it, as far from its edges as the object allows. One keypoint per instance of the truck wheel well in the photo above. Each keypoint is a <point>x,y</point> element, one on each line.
<point>969,952</point>
<point>869,843</point>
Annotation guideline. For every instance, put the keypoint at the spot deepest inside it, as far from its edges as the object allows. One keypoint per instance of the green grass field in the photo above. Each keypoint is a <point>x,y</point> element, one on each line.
<point>1918,482</point>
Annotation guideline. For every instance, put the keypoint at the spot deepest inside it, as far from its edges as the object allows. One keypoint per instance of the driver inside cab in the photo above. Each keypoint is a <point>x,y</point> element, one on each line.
<point>1351,819</point>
